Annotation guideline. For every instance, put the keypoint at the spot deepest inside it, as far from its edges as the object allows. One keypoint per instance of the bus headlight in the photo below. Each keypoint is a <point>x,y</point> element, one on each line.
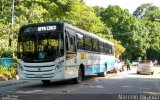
<point>57,67</point>
<point>19,66</point>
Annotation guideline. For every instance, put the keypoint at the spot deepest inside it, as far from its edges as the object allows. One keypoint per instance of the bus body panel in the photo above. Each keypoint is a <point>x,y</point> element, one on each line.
<point>95,63</point>
<point>41,71</point>
<point>71,66</point>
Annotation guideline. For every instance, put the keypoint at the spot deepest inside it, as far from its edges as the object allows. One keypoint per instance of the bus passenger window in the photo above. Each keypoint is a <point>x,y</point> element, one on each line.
<point>66,42</point>
<point>80,41</point>
<point>72,44</point>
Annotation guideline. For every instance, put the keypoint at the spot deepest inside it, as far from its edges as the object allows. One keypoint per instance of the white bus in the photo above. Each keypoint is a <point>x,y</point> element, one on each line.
<point>57,51</point>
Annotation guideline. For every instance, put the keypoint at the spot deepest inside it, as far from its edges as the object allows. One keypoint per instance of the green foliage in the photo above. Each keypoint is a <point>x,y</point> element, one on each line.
<point>125,28</point>
<point>144,9</point>
<point>80,15</point>
<point>135,34</point>
<point>8,72</point>
<point>153,15</point>
<point>6,51</point>
<point>5,70</point>
<point>6,54</point>
<point>119,49</point>
<point>14,65</point>
<point>139,59</point>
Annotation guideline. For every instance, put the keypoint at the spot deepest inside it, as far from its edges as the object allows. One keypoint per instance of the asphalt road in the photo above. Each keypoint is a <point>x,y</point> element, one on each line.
<point>125,85</point>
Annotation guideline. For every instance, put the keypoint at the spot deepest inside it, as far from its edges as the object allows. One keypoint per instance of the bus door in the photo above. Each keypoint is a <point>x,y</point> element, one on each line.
<point>71,48</point>
<point>71,55</point>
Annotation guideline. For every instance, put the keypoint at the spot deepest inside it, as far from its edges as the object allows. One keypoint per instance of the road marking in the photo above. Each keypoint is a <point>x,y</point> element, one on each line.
<point>28,92</point>
<point>97,86</point>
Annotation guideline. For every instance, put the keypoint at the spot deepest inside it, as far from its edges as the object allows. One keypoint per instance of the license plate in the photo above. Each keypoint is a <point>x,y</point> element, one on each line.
<point>38,75</point>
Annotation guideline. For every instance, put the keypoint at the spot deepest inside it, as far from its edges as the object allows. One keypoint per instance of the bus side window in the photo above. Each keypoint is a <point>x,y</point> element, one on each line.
<point>70,42</point>
<point>67,42</point>
<point>80,41</point>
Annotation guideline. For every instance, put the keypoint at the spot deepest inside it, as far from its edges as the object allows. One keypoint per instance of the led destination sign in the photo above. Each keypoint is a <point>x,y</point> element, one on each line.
<point>46,28</point>
<point>33,29</point>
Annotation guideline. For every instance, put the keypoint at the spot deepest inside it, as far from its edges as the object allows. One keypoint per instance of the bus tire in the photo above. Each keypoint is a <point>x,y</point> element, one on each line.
<point>115,70</point>
<point>46,82</point>
<point>78,79</point>
<point>138,72</point>
<point>103,74</point>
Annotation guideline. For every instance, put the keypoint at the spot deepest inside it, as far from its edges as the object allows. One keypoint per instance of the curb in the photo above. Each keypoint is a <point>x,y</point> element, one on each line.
<point>11,82</point>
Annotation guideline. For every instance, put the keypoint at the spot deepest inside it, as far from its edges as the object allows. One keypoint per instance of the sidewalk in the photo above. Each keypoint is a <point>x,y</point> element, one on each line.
<point>11,82</point>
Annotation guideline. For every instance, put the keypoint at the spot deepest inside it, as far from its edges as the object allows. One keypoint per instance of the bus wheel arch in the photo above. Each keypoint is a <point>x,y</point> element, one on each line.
<point>103,74</point>
<point>80,74</point>
<point>82,69</point>
<point>46,82</point>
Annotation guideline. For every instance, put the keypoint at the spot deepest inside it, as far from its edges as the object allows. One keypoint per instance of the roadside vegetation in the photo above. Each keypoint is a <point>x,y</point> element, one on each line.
<point>8,73</point>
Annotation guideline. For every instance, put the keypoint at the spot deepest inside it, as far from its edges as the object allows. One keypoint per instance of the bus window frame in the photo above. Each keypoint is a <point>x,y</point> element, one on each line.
<point>69,37</point>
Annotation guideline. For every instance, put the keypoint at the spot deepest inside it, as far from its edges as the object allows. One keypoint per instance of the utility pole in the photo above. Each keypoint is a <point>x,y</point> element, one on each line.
<point>11,37</point>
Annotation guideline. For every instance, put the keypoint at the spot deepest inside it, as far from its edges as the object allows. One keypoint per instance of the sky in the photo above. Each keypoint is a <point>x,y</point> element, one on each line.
<point>131,5</point>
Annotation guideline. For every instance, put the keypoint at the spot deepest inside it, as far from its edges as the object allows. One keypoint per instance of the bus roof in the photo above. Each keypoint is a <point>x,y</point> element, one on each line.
<point>89,34</point>
<point>71,26</point>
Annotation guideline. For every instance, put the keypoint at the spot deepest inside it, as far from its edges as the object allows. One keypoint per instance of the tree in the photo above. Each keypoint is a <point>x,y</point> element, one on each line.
<point>153,52</point>
<point>125,28</point>
<point>144,9</point>
<point>119,49</point>
<point>5,24</point>
<point>153,15</point>
<point>150,16</point>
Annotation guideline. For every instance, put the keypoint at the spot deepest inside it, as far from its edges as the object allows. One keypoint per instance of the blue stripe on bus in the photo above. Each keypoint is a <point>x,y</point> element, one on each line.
<point>91,69</point>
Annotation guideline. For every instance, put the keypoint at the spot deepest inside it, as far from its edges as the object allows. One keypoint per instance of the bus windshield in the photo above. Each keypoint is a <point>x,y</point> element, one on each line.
<point>40,47</point>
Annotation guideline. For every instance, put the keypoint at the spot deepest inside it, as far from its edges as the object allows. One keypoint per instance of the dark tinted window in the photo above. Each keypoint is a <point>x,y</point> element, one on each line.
<point>70,40</point>
<point>80,41</point>
<point>101,47</point>
<point>88,43</point>
<point>95,45</point>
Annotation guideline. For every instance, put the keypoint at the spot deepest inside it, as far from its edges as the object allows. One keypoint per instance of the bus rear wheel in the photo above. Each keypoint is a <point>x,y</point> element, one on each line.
<point>103,74</point>
<point>79,78</point>
<point>46,82</point>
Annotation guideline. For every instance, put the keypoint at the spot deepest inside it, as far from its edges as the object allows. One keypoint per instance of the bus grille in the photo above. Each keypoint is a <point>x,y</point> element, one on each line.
<point>39,68</point>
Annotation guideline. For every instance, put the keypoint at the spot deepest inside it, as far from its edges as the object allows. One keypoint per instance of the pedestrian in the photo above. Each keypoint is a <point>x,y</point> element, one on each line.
<point>123,64</point>
<point>128,64</point>
<point>155,62</point>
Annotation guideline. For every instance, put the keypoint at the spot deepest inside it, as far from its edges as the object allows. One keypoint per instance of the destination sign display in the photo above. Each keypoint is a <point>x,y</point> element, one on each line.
<point>40,29</point>
<point>46,28</point>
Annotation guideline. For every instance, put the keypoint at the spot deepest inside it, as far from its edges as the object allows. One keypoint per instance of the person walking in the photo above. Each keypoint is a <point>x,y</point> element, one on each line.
<point>128,64</point>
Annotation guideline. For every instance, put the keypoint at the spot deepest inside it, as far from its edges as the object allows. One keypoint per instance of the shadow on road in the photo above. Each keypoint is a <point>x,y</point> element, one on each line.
<point>137,74</point>
<point>59,84</point>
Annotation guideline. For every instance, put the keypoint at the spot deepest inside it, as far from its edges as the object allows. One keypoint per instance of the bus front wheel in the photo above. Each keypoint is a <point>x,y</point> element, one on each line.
<point>46,82</point>
<point>79,78</point>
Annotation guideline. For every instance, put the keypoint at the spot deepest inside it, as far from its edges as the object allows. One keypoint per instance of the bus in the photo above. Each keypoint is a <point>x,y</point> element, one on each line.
<point>54,51</point>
